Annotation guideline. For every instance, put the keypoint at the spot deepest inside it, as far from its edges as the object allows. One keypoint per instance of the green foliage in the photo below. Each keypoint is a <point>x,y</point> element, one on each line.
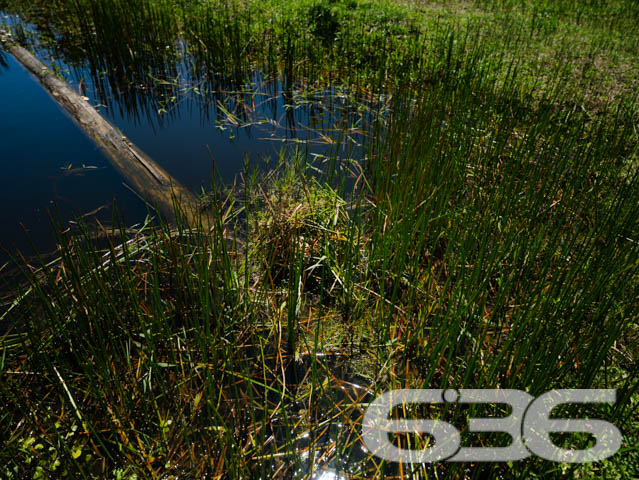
<point>487,238</point>
<point>323,22</point>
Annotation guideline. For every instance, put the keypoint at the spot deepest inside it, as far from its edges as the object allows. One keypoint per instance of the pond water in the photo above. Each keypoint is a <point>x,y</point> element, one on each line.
<point>194,127</point>
<point>42,153</point>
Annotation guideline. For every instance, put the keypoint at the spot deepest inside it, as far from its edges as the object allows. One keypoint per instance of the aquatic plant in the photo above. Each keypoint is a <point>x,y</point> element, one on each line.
<point>487,238</point>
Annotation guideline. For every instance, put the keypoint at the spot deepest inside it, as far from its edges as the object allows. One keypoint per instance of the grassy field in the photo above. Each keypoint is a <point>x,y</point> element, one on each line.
<point>487,237</point>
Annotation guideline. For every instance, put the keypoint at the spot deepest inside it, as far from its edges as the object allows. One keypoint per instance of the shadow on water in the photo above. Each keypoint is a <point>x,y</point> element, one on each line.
<point>3,61</point>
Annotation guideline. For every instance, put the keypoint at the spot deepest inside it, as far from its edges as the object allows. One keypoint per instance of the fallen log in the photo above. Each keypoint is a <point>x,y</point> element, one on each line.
<point>148,179</point>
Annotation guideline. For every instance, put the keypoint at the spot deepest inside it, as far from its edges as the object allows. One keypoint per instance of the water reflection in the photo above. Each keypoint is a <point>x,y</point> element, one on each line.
<point>150,74</point>
<point>177,111</point>
<point>3,61</point>
<point>195,121</point>
<point>328,474</point>
<point>49,165</point>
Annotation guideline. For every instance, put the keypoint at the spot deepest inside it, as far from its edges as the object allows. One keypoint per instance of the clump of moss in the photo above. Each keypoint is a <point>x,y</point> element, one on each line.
<point>299,225</point>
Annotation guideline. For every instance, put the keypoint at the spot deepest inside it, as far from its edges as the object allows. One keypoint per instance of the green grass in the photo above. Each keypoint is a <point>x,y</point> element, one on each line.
<point>487,239</point>
<point>582,51</point>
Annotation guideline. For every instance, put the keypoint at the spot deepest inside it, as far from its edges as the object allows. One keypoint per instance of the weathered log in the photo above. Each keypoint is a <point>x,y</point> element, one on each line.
<point>150,180</point>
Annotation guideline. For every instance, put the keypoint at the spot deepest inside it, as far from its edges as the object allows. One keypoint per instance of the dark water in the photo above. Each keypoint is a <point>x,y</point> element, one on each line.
<point>41,155</point>
<point>186,126</point>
